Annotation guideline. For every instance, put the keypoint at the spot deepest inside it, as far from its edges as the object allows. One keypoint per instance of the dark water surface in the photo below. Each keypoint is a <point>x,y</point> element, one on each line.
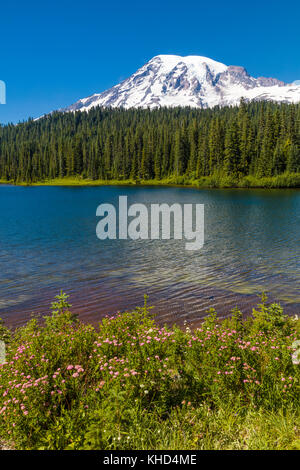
<point>48,242</point>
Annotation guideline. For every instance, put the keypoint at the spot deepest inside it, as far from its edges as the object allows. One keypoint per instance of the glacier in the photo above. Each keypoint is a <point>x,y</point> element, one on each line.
<point>196,81</point>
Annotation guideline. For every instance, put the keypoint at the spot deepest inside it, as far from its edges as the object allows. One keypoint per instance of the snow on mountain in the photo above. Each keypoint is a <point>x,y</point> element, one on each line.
<point>171,80</point>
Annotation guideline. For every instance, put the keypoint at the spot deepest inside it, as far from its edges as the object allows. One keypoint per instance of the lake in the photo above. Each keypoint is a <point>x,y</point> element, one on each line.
<point>48,242</point>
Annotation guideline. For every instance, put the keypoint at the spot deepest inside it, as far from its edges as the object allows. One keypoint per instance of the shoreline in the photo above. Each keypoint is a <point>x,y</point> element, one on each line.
<point>284,181</point>
<point>16,316</point>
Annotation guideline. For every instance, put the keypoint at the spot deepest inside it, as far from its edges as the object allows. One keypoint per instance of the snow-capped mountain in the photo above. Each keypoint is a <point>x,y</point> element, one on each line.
<point>171,80</point>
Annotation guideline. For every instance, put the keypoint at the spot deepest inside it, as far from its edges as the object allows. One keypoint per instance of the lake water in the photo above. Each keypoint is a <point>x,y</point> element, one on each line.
<point>48,242</point>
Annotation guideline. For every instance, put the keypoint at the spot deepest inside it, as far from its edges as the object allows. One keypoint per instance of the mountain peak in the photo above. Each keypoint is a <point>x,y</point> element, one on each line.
<point>196,81</point>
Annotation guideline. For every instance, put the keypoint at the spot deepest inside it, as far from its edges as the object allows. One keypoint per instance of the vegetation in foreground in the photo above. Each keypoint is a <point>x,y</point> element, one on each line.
<point>131,384</point>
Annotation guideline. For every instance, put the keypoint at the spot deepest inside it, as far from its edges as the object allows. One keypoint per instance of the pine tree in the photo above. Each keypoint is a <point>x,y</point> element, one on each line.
<point>232,150</point>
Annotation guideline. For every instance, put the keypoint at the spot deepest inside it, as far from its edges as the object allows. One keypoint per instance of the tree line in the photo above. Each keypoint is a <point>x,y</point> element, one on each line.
<point>259,138</point>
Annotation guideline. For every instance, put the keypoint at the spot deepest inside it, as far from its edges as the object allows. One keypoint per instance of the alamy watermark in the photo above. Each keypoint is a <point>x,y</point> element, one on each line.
<point>137,222</point>
<point>2,352</point>
<point>2,92</point>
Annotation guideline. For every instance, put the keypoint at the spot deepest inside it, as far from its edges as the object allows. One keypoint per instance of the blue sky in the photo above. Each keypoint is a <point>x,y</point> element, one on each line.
<point>53,53</point>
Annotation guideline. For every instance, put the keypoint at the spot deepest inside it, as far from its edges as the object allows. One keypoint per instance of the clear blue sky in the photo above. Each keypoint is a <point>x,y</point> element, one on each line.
<point>55,52</point>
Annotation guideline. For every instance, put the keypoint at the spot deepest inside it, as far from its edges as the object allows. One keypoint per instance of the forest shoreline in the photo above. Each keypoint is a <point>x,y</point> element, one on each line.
<point>283,181</point>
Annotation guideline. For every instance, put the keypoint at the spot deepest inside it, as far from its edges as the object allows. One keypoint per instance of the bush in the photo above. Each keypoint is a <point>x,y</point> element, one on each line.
<point>131,384</point>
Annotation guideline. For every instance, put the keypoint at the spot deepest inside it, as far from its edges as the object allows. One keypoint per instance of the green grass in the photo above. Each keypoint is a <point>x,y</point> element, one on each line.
<point>72,181</point>
<point>285,180</point>
<point>131,384</point>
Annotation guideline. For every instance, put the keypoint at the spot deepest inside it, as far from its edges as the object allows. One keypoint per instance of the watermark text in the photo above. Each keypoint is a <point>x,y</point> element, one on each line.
<point>136,223</point>
<point>2,92</point>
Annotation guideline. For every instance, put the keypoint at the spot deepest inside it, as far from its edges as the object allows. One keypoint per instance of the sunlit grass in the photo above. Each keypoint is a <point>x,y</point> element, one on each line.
<point>218,180</point>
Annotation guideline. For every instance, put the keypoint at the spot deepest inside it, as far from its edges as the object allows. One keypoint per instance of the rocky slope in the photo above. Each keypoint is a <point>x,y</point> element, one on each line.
<point>169,80</point>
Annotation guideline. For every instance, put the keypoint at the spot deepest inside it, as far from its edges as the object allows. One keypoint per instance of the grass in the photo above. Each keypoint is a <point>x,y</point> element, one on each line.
<point>284,180</point>
<point>131,384</point>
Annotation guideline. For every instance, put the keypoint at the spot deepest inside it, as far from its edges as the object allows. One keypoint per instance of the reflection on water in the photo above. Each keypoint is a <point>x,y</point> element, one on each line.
<point>48,242</point>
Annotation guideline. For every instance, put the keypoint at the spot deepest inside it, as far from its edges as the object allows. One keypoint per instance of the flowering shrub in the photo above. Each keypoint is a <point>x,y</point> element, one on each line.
<point>130,383</point>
